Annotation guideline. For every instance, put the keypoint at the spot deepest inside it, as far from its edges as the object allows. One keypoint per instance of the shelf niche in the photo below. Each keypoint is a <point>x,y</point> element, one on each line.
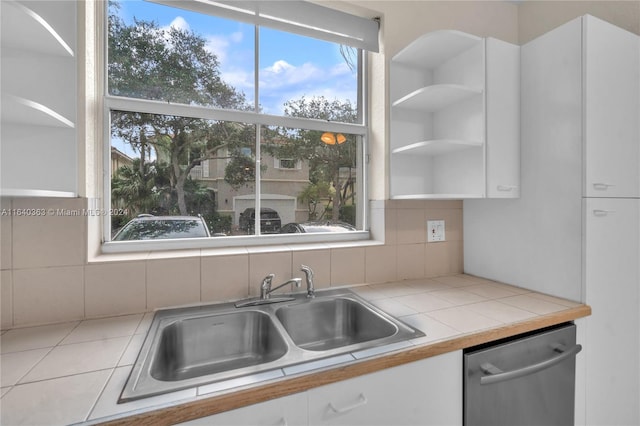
<point>39,71</point>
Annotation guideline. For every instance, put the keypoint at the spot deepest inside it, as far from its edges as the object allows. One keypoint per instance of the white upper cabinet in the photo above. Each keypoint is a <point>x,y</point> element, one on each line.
<point>611,74</point>
<point>39,98</point>
<point>455,118</point>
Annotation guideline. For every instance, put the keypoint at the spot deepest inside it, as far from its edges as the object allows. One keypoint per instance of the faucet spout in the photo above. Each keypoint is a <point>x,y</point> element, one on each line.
<point>308,272</point>
<point>266,290</point>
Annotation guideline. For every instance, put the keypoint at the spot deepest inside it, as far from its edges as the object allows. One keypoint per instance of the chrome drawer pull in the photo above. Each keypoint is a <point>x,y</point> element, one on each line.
<point>362,400</point>
<point>602,186</point>
<point>601,213</point>
<point>495,375</point>
<point>506,187</point>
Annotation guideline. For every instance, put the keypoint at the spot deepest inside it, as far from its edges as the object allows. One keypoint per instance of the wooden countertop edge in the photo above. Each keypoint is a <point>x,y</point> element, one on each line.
<point>204,406</point>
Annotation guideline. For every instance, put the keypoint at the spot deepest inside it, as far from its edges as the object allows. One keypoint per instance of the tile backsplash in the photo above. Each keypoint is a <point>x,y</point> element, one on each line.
<point>46,277</point>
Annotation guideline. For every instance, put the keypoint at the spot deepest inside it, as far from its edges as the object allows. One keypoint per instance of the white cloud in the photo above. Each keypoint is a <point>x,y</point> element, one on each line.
<point>236,65</point>
<point>220,44</point>
<point>180,23</point>
<point>216,44</point>
<point>283,81</point>
<point>279,67</point>
<point>239,78</point>
<point>236,37</point>
<point>282,74</point>
<point>340,70</point>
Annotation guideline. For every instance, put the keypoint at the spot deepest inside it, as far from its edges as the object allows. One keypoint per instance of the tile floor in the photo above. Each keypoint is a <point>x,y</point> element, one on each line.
<point>74,372</point>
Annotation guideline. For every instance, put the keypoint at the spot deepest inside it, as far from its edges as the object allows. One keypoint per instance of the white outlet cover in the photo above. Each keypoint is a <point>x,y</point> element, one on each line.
<point>435,231</point>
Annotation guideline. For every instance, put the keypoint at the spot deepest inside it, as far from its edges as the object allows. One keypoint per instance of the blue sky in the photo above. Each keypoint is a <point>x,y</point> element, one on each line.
<point>290,66</point>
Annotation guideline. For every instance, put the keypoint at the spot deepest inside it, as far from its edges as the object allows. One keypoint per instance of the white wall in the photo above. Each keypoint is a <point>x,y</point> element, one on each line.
<point>538,17</point>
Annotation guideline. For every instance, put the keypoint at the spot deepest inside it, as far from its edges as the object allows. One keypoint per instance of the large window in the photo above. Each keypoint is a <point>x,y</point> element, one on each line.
<point>217,110</point>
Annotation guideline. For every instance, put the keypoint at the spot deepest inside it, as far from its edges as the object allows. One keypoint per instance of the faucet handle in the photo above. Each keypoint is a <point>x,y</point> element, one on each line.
<point>266,281</point>
<point>265,287</point>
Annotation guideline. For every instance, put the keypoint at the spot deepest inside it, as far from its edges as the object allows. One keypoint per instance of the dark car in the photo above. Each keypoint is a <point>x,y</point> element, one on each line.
<point>148,227</point>
<point>269,221</point>
<point>323,226</point>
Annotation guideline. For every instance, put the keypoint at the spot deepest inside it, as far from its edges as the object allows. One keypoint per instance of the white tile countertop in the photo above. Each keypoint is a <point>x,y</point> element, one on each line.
<point>74,372</point>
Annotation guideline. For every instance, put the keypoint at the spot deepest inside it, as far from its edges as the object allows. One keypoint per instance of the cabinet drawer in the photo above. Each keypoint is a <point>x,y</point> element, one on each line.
<point>427,392</point>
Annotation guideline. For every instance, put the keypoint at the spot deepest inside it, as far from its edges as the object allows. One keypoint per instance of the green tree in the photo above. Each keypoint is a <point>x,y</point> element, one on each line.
<point>313,195</point>
<point>171,65</point>
<point>325,161</point>
<point>135,187</point>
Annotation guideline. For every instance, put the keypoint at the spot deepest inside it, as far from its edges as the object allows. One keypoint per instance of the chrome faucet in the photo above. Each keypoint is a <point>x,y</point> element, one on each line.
<point>266,290</point>
<point>308,272</point>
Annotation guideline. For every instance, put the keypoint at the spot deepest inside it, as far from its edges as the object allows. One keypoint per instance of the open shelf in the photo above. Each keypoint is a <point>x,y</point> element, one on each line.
<point>437,147</point>
<point>39,98</point>
<point>23,28</point>
<point>432,49</point>
<point>16,193</point>
<point>436,196</point>
<point>16,109</point>
<point>436,97</point>
<point>449,137</point>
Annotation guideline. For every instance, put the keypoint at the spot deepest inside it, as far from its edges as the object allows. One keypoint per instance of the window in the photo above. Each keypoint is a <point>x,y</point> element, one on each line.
<point>220,111</point>
<point>287,163</point>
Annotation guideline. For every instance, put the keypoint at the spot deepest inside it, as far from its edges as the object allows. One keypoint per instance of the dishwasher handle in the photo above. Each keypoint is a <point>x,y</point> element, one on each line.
<point>495,375</point>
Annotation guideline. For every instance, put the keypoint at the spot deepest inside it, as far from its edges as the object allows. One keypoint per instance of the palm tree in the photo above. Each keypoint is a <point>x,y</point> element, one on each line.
<point>134,187</point>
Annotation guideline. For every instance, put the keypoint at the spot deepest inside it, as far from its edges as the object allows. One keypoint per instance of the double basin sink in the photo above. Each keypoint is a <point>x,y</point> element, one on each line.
<point>195,346</point>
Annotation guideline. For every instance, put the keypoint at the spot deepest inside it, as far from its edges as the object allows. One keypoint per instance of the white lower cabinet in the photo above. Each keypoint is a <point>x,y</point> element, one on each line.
<point>612,332</point>
<point>426,392</point>
<point>286,411</point>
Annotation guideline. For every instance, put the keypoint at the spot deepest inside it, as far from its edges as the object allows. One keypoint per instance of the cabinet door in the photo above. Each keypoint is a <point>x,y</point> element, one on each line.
<point>503,119</point>
<point>286,411</point>
<point>427,392</point>
<point>612,339</point>
<point>612,110</point>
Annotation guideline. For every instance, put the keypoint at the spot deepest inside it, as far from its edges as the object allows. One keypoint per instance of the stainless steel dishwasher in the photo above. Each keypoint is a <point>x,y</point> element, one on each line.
<point>526,380</point>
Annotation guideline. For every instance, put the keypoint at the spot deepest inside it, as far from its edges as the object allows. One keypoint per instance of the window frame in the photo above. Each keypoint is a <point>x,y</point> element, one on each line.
<point>122,103</point>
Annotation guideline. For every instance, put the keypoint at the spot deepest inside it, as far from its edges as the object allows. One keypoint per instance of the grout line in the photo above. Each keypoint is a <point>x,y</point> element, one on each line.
<point>48,379</point>
<point>106,383</point>
<point>99,396</point>
<point>17,383</point>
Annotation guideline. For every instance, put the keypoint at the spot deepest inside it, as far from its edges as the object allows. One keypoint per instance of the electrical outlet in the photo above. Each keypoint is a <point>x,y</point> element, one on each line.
<point>435,231</point>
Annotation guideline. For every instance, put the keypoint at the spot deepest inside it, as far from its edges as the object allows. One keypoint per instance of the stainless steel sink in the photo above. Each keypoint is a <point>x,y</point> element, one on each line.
<point>326,324</point>
<point>216,343</point>
<point>222,344</point>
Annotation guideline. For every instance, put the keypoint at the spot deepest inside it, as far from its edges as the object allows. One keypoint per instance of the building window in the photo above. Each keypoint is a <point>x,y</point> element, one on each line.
<point>287,164</point>
<point>218,120</point>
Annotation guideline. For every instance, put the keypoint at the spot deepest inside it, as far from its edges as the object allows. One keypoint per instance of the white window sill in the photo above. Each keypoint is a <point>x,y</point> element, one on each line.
<point>123,251</point>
